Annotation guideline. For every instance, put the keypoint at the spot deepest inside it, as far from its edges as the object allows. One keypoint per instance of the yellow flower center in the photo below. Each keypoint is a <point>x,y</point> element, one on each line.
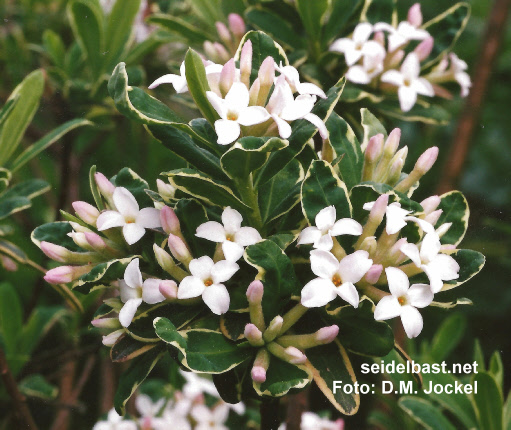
<point>337,281</point>
<point>208,282</point>
<point>402,300</point>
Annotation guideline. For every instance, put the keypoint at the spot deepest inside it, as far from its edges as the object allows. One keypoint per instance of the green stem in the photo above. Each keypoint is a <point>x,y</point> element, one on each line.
<point>292,316</point>
<point>250,198</point>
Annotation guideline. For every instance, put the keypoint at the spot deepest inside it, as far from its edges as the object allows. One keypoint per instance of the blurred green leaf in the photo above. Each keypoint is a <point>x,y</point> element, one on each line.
<point>488,402</point>
<point>425,413</point>
<point>11,318</point>
<point>55,48</point>
<point>447,337</point>
<point>36,386</point>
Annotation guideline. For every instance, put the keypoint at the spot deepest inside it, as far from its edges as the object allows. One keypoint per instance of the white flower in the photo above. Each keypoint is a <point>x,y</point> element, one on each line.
<point>397,218</point>
<point>438,267</point>
<point>404,301</point>
<point>134,291</point>
<point>148,411</point>
<point>231,235</point>
<point>283,107</point>
<point>311,421</point>
<point>353,48</point>
<point>210,419</point>
<point>234,112</point>
<point>128,216</point>
<point>115,422</point>
<point>172,418</point>
<point>409,82</point>
<point>458,68</point>
<point>326,227</point>
<point>335,278</point>
<point>293,79</point>
<point>372,64</point>
<point>404,33</point>
<point>206,280</point>
<point>196,385</point>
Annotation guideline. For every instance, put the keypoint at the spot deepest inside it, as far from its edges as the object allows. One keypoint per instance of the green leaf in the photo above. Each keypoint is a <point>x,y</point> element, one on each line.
<point>210,352</point>
<point>134,376</point>
<point>330,363</point>
<point>102,274</point>
<point>12,205</point>
<point>422,111</point>
<point>446,28</point>
<point>479,355</point>
<point>46,141</point>
<point>249,154</point>
<point>28,94</point>
<point>13,251</point>
<point>302,131</point>
<point>11,318</point>
<point>447,337</point>
<point>342,11</point>
<point>86,18</point>
<point>30,188</point>
<point>378,11</point>
<point>167,332</point>
<point>313,14</point>
<point>7,109</point>
<point>507,413</point>
<point>36,386</point>
<point>496,369</point>
<point>192,34</point>
<point>55,232</point>
<point>345,144</point>
<point>471,263</point>
<point>262,46</point>
<point>119,29</point>
<point>232,325</point>
<point>126,348</point>
<point>371,125</point>
<point>229,385</point>
<point>276,272</point>
<point>94,189</point>
<point>198,85</point>
<point>281,377</point>
<point>455,210</point>
<point>54,46</point>
<point>204,188</point>
<point>425,413</point>
<point>488,402</point>
<point>322,188</point>
<point>209,11</point>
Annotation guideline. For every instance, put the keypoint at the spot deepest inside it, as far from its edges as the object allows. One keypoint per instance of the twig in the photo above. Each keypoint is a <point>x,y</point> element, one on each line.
<point>488,54</point>
<point>21,411</point>
<point>297,405</point>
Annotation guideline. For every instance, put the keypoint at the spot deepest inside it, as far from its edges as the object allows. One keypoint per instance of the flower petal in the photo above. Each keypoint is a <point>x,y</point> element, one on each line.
<point>211,230</point>
<point>358,75</point>
<point>362,32</point>
<point>231,220</point>
<point>411,67</point>
<point>412,252</point>
<point>348,292</point>
<point>325,219</point>
<point>189,287</point>
<point>298,108</point>
<point>445,266</point>
<point>218,104</point>
<point>353,267</point>
<point>430,247</point>
<point>424,87</point>
<point>223,271</point>
<point>149,218</point>
<point>132,275</point>
<point>407,97</point>
<point>412,321</point>
<point>227,131</point>
<point>318,122</point>
<point>313,90</point>
<point>318,292</point>
<point>392,77</point>
<point>125,203</point>
<point>132,233</point>
<point>217,298</point>
<point>325,243</point>
<point>419,295</point>
<point>395,218</point>
<point>232,250</point>
<point>309,235</point>
<point>283,126</point>
<point>151,291</point>
<point>126,292</point>
<point>201,267</point>
<point>109,219</point>
<point>238,97</point>
<point>346,226</point>
<point>398,281</point>
<point>323,264</point>
<point>388,307</point>
<point>342,45</point>
<point>253,115</point>
<point>128,311</point>
<point>247,236</point>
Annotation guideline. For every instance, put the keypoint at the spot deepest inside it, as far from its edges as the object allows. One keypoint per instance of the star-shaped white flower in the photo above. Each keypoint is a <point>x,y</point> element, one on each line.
<point>115,422</point>
<point>404,301</point>
<point>134,291</point>
<point>404,33</point>
<point>335,278</point>
<point>372,64</point>
<point>231,235</point>
<point>133,220</point>
<point>409,82</point>
<point>210,419</point>
<point>326,227</point>
<point>283,107</point>
<point>148,411</point>
<point>438,267</point>
<point>234,112</point>
<point>206,280</point>
<point>459,68</point>
<point>293,79</point>
<point>353,48</point>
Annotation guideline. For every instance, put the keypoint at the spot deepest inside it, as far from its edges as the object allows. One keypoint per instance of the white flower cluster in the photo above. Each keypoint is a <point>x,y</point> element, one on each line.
<point>375,59</point>
<point>264,108</point>
<point>187,410</point>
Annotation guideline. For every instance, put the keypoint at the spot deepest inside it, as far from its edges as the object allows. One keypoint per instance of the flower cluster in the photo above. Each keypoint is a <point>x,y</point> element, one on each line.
<point>264,108</point>
<point>377,55</point>
<point>230,36</point>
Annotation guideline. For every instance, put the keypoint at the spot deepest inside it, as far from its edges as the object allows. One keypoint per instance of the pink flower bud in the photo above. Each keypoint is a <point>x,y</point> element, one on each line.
<point>55,252</point>
<point>254,92</point>
<point>223,32</point>
<point>426,160</point>
<point>104,185</point>
<point>95,240</point>
<point>236,24</point>
<point>168,289</point>
<point>112,323</point>
<point>374,148</point>
<point>65,274</point>
<point>246,63</point>
<point>295,356</point>
<point>433,217</point>
<point>402,154</point>
<point>255,292</point>
<point>166,191</point>
<point>178,248</point>
<point>110,339</point>
<point>379,207</point>
<point>447,248</point>
<point>86,212</point>
<point>254,335</point>
<point>374,273</point>
<point>221,52</point>
<point>379,37</point>
<point>395,59</point>
<point>444,228</point>
<point>424,48</point>
<point>8,263</point>
<point>227,76</point>
<point>258,374</point>
<point>392,142</point>
<point>266,73</point>
<point>327,334</point>
<point>415,15</point>
<point>169,221</point>
<point>209,49</point>
<point>79,239</point>
<point>430,204</point>
<point>395,171</point>
<point>163,258</point>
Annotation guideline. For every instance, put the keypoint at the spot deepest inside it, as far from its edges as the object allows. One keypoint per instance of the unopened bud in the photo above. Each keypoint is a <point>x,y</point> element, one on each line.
<point>209,49</point>
<point>434,216</point>
<point>374,148</point>
<point>444,228</point>
<point>179,249</point>
<point>266,77</point>
<point>369,244</point>
<point>8,263</point>
<point>375,218</point>
<point>426,160</point>
<point>374,273</point>
<point>424,48</point>
<point>415,15</point>
<point>106,188</point>
<point>80,240</point>
<point>65,274</point>
<point>273,329</point>
<point>295,356</point>
<point>166,191</point>
<point>392,142</point>
<point>379,37</point>
<point>395,256</point>
<point>221,52</point>
<point>55,252</point>
<point>95,241</point>
<point>395,171</point>
<point>430,204</point>
<point>163,258</point>
<point>224,33</point>
<point>246,63</point>
<point>254,92</point>
<point>447,248</point>
<point>168,289</point>
<point>327,334</point>
<point>395,59</point>
<point>112,323</point>
<point>255,292</point>
<point>86,212</point>
<point>258,374</point>
<point>227,76</point>
<point>254,335</point>
<point>78,228</point>
<point>110,339</point>
<point>261,364</point>
<point>237,25</point>
<point>169,221</point>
